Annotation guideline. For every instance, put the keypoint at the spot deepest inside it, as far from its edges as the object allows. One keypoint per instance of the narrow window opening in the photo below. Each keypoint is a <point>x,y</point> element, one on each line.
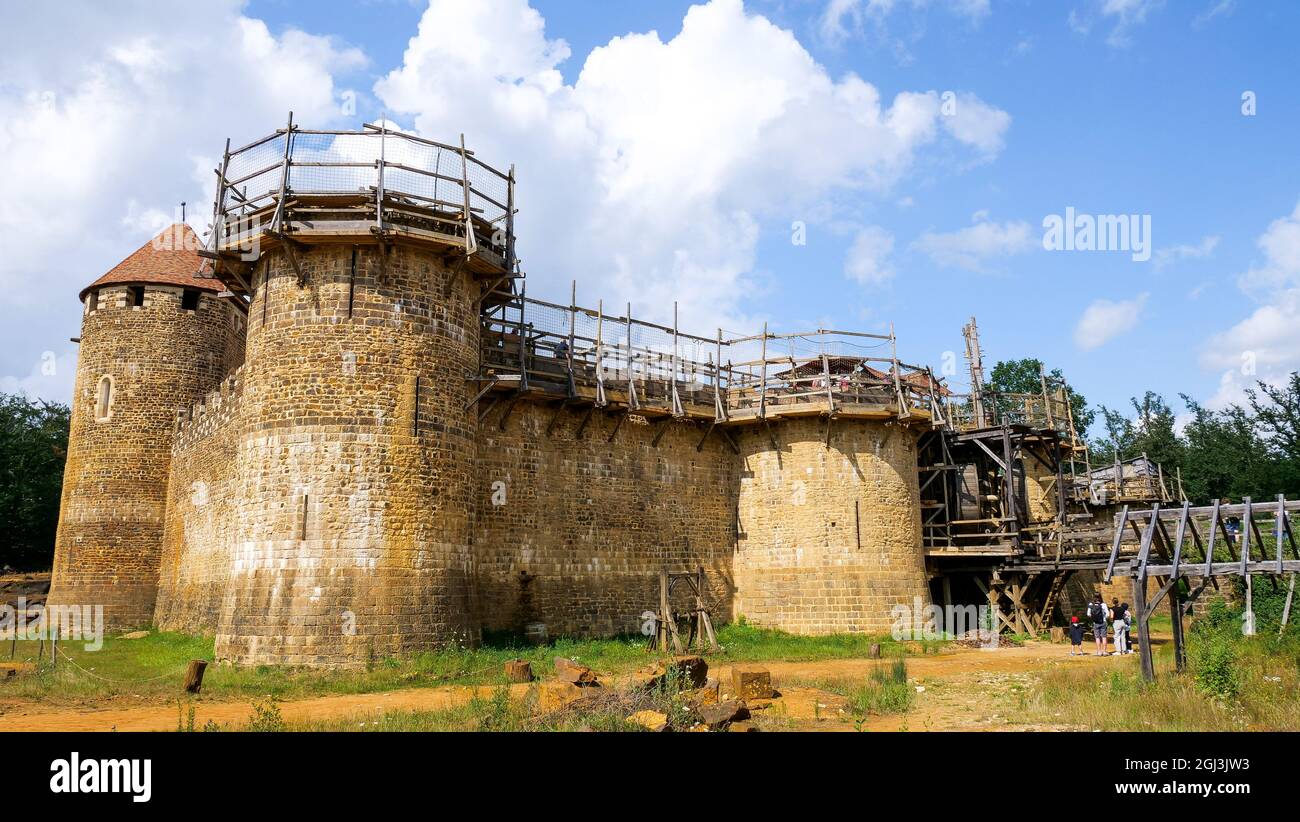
<point>136,295</point>
<point>190,299</point>
<point>92,302</point>
<point>415,409</point>
<point>104,399</point>
<point>352,282</point>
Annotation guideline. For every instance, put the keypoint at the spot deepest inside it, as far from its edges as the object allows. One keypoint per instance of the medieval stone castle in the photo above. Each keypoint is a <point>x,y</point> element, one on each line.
<point>337,430</point>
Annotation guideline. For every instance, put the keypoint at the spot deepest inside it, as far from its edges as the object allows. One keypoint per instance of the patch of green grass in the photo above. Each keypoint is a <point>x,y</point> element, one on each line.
<point>1231,683</point>
<point>884,691</point>
<point>152,668</point>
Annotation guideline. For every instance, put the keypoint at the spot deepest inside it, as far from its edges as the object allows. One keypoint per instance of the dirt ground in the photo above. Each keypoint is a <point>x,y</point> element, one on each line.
<point>965,689</point>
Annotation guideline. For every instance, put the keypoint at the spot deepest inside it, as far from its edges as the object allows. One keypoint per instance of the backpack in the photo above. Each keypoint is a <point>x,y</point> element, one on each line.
<point>1097,613</point>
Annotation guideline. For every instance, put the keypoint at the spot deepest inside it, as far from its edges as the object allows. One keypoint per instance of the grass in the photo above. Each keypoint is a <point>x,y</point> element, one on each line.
<point>1231,683</point>
<point>885,691</point>
<point>151,668</point>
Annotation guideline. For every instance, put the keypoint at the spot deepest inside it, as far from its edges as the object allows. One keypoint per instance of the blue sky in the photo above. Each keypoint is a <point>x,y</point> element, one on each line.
<point>1106,106</point>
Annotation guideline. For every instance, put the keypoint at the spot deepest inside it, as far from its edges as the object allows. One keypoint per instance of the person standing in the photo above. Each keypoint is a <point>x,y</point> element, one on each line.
<point>1076,637</point>
<point>1119,615</point>
<point>1099,615</point>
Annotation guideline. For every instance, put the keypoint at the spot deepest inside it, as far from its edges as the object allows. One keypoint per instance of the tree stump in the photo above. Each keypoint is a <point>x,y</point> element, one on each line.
<point>874,651</point>
<point>518,670</point>
<point>194,676</point>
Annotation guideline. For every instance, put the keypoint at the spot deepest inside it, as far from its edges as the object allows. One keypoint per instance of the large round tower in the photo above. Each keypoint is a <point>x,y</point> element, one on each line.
<point>829,526</point>
<point>154,338</point>
<point>355,459</point>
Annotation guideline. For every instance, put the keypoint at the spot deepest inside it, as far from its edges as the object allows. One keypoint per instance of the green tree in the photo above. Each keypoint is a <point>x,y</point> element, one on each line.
<point>1150,431</point>
<point>1022,377</point>
<point>1278,414</point>
<point>33,447</point>
<point>1225,456</point>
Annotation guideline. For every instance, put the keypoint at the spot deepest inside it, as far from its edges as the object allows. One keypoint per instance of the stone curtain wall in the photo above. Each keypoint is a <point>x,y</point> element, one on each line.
<point>806,562</point>
<point>573,531</point>
<point>201,494</point>
<point>355,460</point>
<point>160,358</point>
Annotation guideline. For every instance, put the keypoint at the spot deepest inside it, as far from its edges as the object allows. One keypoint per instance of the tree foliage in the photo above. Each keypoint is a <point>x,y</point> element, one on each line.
<point>1022,377</point>
<point>33,447</point>
<point>1250,450</point>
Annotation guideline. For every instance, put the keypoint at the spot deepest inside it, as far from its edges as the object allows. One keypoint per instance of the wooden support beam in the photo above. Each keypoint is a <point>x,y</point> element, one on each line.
<point>555,417</point>
<point>505,412</point>
<point>1144,626</point>
<point>582,426</point>
<point>617,425</point>
<point>663,428</point>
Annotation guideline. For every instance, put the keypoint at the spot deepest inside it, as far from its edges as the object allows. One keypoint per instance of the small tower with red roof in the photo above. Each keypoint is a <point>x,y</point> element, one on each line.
<point>156,336</point>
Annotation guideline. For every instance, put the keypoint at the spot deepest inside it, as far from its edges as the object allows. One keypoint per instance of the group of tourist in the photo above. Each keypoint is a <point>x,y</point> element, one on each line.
<point>1104,619</point>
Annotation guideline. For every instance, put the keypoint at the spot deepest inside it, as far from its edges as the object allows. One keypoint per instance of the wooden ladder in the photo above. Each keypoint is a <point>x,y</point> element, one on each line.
<point>1053,593</point>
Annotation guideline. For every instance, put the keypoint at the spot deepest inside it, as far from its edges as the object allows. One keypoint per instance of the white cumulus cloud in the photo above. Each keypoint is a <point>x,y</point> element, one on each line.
<point>868,258</point>
<point>1104,320</point>
<point>973,246</point>
<point>99,145</point>
<point>650,175</point>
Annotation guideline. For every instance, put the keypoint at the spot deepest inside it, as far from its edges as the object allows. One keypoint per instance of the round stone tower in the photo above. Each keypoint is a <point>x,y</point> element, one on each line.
<point>155,337</point>
<point>366,256</point>
<point>356,458</point>
<point>829,536</point>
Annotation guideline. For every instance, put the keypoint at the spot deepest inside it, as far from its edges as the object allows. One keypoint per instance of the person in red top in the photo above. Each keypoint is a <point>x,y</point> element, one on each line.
<point>1076,636</point>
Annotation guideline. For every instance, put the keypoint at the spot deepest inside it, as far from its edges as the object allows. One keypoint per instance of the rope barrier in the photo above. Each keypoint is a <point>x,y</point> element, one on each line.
<point>64,654</point>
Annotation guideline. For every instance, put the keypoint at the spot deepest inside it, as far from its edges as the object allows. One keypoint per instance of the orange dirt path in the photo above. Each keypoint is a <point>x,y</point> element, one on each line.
<point>960,689</point>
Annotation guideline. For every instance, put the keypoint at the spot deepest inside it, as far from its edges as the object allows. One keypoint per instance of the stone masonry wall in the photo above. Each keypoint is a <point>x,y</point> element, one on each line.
<point>159,357</point>
<point>830,538</point>
<point>573,531</point>
<point>201,494</point>
<point>355,460</point>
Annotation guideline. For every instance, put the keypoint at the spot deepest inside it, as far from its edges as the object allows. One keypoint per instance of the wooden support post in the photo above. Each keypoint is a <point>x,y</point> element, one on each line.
<point>1286,607</point>
<point>600,354</point>
<point>719,407</point>
<point>523,334</point>
<point>573,319</point>
<point>471,244</point>
<point>379,187</point>
<point>1209,545</point>
<point>1144,627</point>
<point>278,217</point>
<point>631,375</point>
<point>1248,628</point>
<point>194,676</point>
<point>1009,489</point>
<point>1176,615</point>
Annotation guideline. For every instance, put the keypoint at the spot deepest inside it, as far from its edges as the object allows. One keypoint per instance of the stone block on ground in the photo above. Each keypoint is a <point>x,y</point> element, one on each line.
<point>707,695</point>
<point>720,714</point>
<point>570,671</point>
<point>651,720</point>
<point>681,673</point>
<point>553,695</point>
<point>751,683</point>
